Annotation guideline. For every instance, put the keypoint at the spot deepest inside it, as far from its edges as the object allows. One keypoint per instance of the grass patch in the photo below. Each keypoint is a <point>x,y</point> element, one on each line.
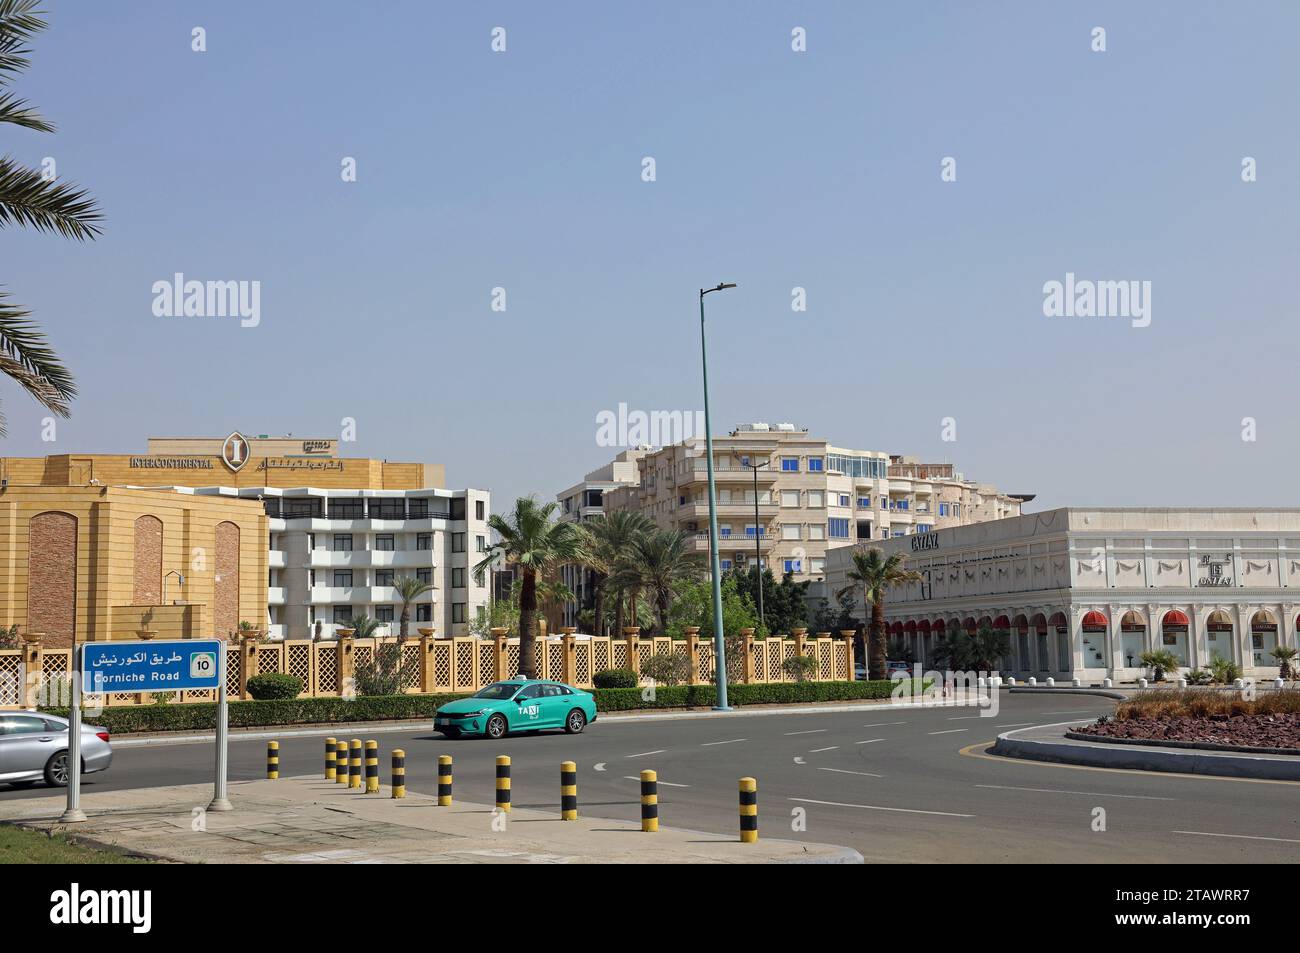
<point>1201,703</point>
<point>20,845</point>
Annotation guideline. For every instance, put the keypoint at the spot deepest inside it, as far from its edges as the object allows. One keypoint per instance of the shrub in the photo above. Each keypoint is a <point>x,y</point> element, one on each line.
<point>1225,672</point>
<point>1208,703</point>
<point>386,672</point>
<point>274,685</point>
<point>666,668</point>
<point>799,667</point>
<point>772,693</point>
<point>615,678</point>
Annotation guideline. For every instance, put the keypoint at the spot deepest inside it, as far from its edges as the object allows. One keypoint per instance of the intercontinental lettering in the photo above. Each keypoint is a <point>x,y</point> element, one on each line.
<point>925,541</point>
<point>172,463</point>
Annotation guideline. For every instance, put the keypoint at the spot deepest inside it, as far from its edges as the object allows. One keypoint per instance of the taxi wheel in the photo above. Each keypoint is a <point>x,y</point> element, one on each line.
<point>575,722</point>
<point>496,727</point>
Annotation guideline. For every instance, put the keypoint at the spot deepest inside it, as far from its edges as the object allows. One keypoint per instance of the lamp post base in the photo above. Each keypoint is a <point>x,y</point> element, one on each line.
<point>221,804</point>
<point>72,817</point>
<point>722,708</point>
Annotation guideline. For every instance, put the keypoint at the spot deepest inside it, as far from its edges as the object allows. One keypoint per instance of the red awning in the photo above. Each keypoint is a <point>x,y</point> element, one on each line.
<point>896,629</point>
<point>1001,622</point>
<point>923,626</point>
<point>1174,617</point>
<point>1058,620</point>
<point>940,626</point>
<point>1094,619</point>
<point>969,624</point>
<point>909,627</point>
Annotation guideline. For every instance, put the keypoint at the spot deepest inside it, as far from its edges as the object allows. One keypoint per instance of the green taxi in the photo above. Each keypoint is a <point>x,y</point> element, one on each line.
<point>520,704</point>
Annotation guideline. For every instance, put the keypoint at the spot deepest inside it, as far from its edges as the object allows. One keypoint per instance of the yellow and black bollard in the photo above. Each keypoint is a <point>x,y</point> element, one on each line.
<point>503,782</point>
<point>372,767</point>
<point>272,760</point>
<point>444,780</point>
<point>331,765</point>
<point>748,810</point>
<point>354,763</point>
<point>341,762</point>
<point>568,791</point>
<point>649,801</point>
<point>399,773</point>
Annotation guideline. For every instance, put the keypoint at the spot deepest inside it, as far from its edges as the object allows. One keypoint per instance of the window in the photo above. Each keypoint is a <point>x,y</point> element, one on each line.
<point>23,725</point>
<point>457,508</point>
<point>725,564</point>
<point>479,510</point>
<point>943,509</point>
<point>457,542</point>
<point>384,543</point>
<point>789,497</point>
<point>388,509</point>
<point>793,565</point>
<point>342,615</point>
<point>816,499</point>
<point>342,578</point>
<point>343,543</point>
<point>790,464</point>
<point>424,541</point>
<point>302,506</point>
<point>417,509</point>
<point>347,509</point>
<point>791,531</point>
<point>884,502</point>
<point>383,613</point>
<point>383,577</point>
<point>816,531</point>
<point>838,528</point>
<point>923,527</point>
<point>815,465</point>
<point>864,502</point>
<point>424,575</point>
<point>424,612</point>
<point>751,530</point>
<point>458,578</point>
<point>844,499</point>
<point>458,612</point>
<point>724,530</point>
<point>816,565</point>
<point>480,544</point>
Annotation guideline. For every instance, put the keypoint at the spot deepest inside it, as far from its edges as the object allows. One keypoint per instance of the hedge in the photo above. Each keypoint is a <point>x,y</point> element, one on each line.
<point>328,711</point>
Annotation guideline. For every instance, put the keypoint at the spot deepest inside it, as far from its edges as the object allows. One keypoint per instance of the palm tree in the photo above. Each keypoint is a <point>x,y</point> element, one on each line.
<point>876,573</point>
<point>606,542</point>
<point>530,539</point>
<point>408,590</point>
<point>659,561</point>
<point>989,646</point>
<point>29,199</point>
<point>1284,655</point>
<point>1161,661</point>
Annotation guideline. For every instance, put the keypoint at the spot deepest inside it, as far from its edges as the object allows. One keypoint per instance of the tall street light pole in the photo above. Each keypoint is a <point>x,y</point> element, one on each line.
<point>758,539</point>
<point>719,642</point>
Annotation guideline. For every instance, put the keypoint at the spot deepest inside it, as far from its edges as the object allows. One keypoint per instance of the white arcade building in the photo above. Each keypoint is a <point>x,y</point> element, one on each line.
<point>1084,592</point>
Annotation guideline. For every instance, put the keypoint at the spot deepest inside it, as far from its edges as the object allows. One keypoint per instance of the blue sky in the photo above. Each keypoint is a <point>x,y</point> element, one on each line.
<point>775,169</point>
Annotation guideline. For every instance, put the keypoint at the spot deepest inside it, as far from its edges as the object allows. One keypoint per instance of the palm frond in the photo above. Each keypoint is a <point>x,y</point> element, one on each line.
<point>16,112</point>
<point>27,358</point>
<point>28,199</point>
<point>19,22</point>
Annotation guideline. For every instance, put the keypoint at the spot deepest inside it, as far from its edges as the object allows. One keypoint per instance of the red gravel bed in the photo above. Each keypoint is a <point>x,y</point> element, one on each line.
<point>1251,731</point>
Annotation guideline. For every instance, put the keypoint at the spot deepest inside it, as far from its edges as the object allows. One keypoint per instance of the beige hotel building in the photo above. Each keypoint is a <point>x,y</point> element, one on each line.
<point>281,532</point>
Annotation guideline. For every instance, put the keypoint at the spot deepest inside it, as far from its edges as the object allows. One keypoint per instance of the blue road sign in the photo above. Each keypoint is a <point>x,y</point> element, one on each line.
<point>150,666</point>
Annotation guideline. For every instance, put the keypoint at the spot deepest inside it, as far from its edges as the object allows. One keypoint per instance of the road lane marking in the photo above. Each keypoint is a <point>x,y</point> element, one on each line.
<point>706,744</point>
<point>630,777</point>
<point>1280,840</point>
<point>1134,797</point>
<point>798,761</point>
<point>598,766</point>
<point>810,731</point>
<point>965,717</point>
<point>1015,724</point>
<point>876,807</point>
<point>865,774</point>
<point>1072,711</point>
<point>882,724</point>
<point>642,754</point>
<point>947,731</point>
<point>868,741</point>
<point>819,750</point>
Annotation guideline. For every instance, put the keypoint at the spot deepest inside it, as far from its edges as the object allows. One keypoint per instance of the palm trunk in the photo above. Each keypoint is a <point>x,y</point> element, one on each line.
<point>527,614</point>
<point>663,612</point>
<point>618,615</point>
<point>599,593</point>
<point>876,653</point>
<point>404,622</point>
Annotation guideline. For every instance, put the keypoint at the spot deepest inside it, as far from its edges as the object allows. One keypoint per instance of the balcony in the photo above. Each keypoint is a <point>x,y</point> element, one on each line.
<point>728,474</point>
<point>275,559</point>
<point>733,543</point>
<point>275,596</point>
<point>371,559</point>
<point>362,595</point>
<point>766,511</point>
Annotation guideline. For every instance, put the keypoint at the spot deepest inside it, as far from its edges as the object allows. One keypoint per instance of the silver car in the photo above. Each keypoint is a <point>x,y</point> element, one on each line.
<point>34,745</point>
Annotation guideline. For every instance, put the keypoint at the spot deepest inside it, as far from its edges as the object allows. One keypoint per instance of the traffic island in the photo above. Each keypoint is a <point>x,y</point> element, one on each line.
<point>1063,744</point>
<point>314,821</point>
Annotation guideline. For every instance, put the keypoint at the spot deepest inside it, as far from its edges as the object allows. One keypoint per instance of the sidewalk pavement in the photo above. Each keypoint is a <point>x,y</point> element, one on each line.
<point>309,820</point>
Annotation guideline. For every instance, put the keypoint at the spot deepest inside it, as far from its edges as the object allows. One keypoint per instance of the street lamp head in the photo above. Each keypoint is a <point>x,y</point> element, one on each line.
<point>722,286</point>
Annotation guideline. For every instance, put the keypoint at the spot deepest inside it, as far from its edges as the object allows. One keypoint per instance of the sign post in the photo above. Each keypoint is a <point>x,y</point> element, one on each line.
<point>147,667</point>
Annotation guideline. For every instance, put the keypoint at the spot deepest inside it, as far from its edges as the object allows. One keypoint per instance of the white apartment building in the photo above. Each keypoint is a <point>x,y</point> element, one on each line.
<point>335,554</point>
<point>786,498</point>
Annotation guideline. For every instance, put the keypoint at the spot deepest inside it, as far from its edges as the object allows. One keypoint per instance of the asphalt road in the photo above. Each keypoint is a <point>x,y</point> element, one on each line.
<point>897,785</point>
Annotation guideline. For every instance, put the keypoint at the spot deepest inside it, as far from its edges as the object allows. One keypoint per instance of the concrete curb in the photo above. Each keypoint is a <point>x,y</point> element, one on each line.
<point>1193,745</point>
<point>1069,690</point>
<point>1052,744</point>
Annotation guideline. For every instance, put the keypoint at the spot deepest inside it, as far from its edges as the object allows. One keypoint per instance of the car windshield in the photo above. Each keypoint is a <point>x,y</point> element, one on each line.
<point>500,690</point>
